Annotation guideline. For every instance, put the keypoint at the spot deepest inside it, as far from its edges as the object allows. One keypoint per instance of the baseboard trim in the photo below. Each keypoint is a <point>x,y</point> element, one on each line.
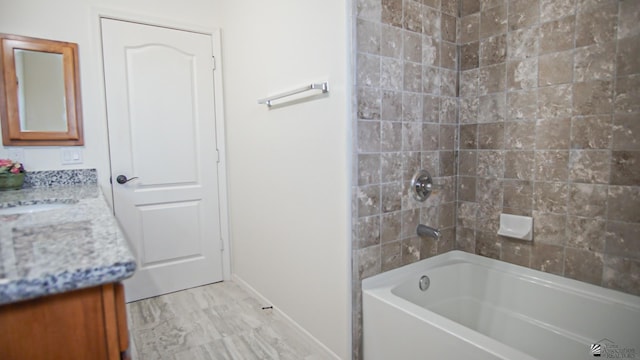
<point>321,347</point>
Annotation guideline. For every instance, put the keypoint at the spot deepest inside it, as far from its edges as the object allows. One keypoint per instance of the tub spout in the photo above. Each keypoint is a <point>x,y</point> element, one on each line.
<point>424,230</point>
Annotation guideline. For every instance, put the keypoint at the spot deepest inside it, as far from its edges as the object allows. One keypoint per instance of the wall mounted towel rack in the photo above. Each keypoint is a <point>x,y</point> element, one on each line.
<point>324,86</point>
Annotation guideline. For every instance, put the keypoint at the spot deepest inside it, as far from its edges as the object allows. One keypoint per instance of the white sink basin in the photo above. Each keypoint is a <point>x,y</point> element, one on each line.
<point>28,209</point>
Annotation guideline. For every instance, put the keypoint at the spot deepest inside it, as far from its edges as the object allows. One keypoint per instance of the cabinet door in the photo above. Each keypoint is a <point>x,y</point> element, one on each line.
<point>73,325</point>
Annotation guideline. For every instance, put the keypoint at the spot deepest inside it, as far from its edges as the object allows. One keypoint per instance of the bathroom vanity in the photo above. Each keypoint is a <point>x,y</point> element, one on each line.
<point>62,258</point>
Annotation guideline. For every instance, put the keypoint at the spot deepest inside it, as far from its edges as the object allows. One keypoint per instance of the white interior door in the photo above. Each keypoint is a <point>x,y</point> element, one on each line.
<point>162,138</point>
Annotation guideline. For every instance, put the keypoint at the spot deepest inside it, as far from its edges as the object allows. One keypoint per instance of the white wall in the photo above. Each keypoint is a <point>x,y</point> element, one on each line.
<point>289,167</point>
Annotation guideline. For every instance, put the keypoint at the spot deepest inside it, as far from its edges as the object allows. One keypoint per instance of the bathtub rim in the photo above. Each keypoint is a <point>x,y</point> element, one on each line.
<point>392,278</point>
<point>380,287</point>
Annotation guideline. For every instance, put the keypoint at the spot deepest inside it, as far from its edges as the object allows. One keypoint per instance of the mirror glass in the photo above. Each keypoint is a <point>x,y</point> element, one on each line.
<point>41,98</point>
<point>40,102</point>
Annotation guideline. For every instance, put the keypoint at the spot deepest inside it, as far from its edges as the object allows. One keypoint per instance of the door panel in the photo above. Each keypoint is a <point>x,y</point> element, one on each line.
<point>161,113</point>
<point>158,107</point>
<point>159,245</point>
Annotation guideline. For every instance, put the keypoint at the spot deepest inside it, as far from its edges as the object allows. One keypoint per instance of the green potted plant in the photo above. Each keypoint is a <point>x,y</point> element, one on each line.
<point>11,175</point>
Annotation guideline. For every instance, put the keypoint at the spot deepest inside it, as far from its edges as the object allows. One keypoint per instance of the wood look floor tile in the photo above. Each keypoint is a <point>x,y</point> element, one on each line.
<point>217,321</point>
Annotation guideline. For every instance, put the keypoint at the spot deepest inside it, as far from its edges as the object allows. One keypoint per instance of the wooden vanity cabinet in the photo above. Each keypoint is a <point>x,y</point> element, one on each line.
<point>81,324</point>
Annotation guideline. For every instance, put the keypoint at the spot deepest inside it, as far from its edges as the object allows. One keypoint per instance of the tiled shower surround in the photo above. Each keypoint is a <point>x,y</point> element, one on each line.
<point>528,107</point>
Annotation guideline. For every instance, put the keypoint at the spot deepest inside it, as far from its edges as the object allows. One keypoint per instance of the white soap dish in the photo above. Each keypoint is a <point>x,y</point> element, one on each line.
<point>516,226</point>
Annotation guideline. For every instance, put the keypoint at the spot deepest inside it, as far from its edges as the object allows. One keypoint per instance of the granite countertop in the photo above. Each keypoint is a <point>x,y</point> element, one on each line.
<point>53,251</point>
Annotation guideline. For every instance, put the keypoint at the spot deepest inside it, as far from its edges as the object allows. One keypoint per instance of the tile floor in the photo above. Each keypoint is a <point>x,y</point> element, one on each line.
<point>217,321</point>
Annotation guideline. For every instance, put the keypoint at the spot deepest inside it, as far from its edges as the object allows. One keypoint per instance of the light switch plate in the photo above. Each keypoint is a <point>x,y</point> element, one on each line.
<point>71,156</point>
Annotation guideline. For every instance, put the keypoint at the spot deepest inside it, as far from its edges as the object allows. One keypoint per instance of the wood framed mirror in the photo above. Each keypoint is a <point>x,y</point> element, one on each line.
<point>40,102</point>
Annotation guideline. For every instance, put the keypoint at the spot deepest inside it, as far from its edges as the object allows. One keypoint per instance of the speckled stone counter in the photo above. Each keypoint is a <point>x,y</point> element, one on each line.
<point>54,251</point>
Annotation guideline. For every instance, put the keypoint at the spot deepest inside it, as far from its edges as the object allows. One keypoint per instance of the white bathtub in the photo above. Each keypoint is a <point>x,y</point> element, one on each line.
<point>478,308</point>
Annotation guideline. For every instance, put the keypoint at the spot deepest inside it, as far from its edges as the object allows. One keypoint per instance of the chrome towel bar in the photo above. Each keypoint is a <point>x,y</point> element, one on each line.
<point>324,86</point>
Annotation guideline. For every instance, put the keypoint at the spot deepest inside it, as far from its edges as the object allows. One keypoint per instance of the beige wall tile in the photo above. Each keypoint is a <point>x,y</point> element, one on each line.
<point>627,93</point>
<point>431,22</point>
<point>523,43</point>
<point>368,169</point>
<point>522,105</point>
<point>551,197</point>
<point>487,244</point>
<point>391,255</point>
<point>626,132</point>
<point>412,15</point>
<point>492,108</point>
<point>391,197</point>
<point>493,21</point>
<point>390,136</point>
<point>625,168</point>
<point>622,239</point>
<point>390,227</point>
<point>556,9</point>
<point>557,35</point>
<point>619,274</point>
<point>469,56</point>
<point>556,68</point>
<point>368,200</point>
<point>368,103</point>
<point>390,41</point>
<point>390,167</point>
<point>595,62</point>
<point>553,133</point>
<point>391,105</point>
<point>518,194</point>
<point>448,28</point>
<point>523,13</point>
<point>469,7</point>
<point>469,110</point>
<point>449,7</point>
<point>516,253</point>
<point>549,228</point>
<point>491,136</point>
<point>555,101</point>
<point>430,51</point>
<point>467,192</point>
<point>522,74</point>
<point>552,165</point>
<point>588,200</point>
<point>469,29</point>
<point>628,24</point>
<point>519,165</point>
<point>624,203</point>
<point>368,231</point>
<point>492,79</point>
<point>448,55</point>
<point>591,132</point>
<point>368,37</point>
<point>469,136</point>
<point>493,50</point>
<point>583,265</point>
<point>412,107</point>
<point>627,59</point>
<point>590,166</point>
<point>586,233</point>
<point>597,26</point>
<point>368,136</point>
<point>593,97</point>
<point>491,165</point>
<point>392,12</point>
<point>547,258</point>
<point>520,135</point>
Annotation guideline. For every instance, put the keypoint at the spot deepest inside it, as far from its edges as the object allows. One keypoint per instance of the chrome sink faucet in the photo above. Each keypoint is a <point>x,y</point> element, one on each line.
<point>424,230</point>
